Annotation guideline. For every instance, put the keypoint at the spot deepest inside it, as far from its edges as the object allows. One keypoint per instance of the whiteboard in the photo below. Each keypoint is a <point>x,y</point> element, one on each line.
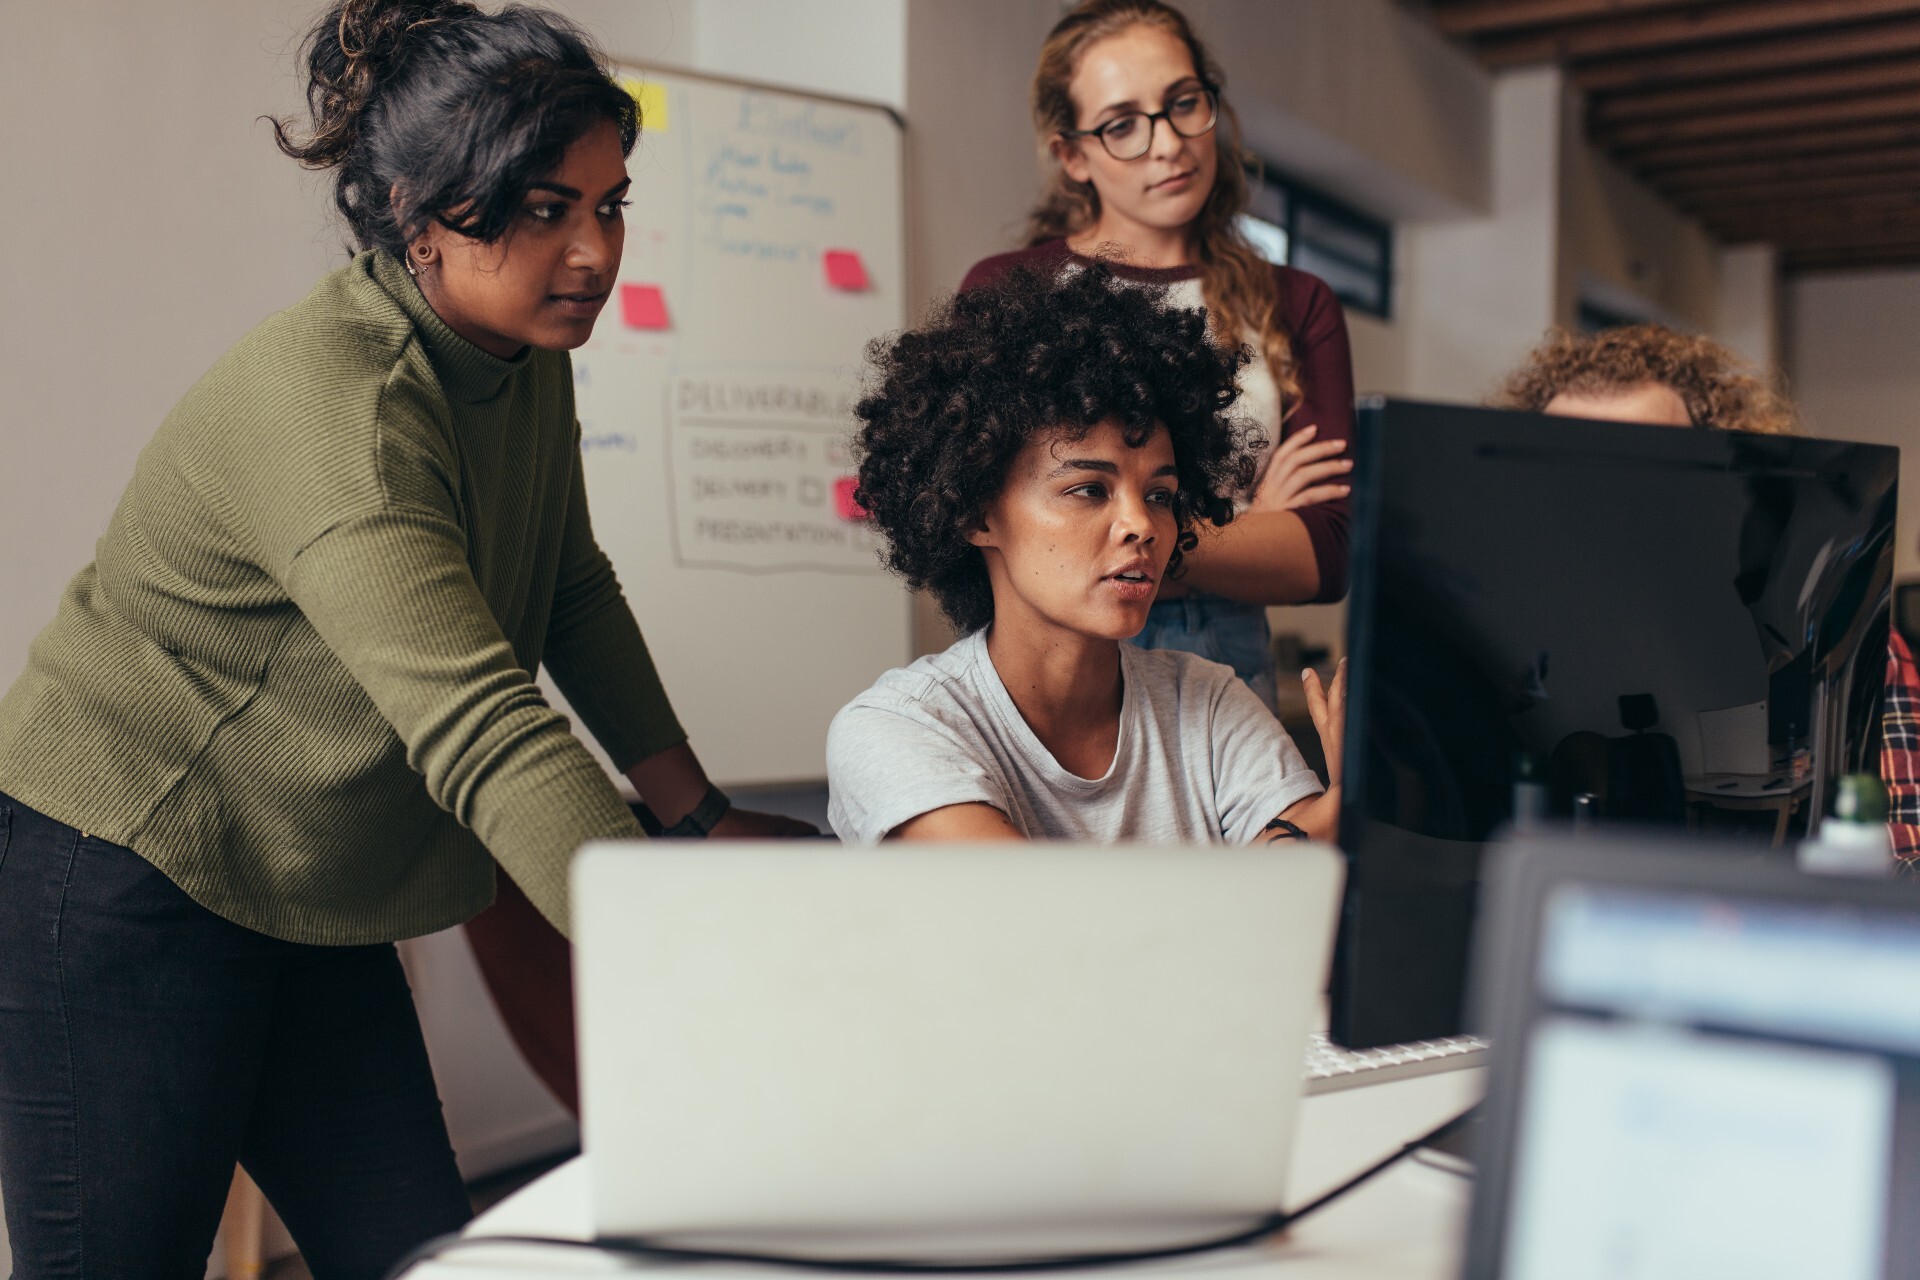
<point>715,401</point>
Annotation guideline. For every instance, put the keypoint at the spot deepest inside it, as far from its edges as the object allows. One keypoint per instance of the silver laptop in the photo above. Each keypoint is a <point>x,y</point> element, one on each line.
<point>945,1048</point>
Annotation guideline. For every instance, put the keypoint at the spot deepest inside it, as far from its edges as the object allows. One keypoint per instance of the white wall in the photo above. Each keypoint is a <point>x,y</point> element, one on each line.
<point>1851,344</point>
<point>1360,97</point>
<point>1477,292</point>
<point>150,222</point>
<point>846,48</point>
<point>1624,245</point>
<point>1747,311</point>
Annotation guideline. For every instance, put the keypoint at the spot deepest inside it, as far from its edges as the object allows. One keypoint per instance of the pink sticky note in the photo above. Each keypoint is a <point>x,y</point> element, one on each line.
<point>643,306</point>
<point>846,271</point>
<point>844,501</point>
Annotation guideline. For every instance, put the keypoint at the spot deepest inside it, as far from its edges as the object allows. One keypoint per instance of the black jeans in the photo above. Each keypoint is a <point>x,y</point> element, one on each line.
<point>146,1044</point>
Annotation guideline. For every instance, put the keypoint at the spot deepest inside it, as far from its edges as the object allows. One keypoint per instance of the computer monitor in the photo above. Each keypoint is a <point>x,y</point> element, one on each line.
<point>1702,1065</point>
<point>1649,624</point>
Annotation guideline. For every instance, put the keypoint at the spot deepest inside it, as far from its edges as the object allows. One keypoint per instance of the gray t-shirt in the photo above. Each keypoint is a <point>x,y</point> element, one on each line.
<point>1200,760</point>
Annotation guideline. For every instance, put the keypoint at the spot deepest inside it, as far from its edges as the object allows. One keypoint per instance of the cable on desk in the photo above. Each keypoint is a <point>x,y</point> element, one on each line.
<point>649,1250</point>
<point>1445,1163</point>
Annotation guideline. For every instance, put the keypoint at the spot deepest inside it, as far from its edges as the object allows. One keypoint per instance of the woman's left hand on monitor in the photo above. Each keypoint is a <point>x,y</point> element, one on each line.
<point>1319,816</point>
<point>1327,704</point>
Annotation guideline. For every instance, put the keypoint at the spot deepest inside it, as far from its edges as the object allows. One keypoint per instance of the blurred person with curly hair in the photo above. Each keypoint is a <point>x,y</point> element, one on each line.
<point>1038,455</point>
<point>1646,373</point>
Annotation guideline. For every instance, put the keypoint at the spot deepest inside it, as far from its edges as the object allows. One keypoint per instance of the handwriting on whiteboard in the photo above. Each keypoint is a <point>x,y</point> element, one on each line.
<point>830,128</point>
<point>751,179</point>
<point>754,465</point>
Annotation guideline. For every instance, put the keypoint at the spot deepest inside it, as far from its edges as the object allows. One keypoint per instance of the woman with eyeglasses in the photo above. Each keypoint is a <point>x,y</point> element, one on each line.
<point>1146,172</point>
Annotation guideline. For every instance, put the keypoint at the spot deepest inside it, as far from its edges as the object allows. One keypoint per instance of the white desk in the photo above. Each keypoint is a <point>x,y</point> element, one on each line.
<point>1406,1224</point>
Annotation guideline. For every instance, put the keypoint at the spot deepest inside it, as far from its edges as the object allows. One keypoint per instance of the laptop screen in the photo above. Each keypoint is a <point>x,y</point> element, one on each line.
<point>1717,1085</point>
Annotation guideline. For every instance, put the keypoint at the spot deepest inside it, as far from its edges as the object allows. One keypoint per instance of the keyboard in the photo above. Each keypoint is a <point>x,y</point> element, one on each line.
<point>1330,1068</point>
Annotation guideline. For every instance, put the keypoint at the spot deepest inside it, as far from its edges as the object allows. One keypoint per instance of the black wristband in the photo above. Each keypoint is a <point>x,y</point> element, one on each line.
<point>1293,830</point>
<point>706,815</point>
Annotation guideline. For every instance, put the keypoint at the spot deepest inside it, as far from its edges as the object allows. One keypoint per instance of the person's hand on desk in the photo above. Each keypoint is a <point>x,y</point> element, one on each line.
<point>745,824</point>
<point>1319,817</point>
<point>673,784</point>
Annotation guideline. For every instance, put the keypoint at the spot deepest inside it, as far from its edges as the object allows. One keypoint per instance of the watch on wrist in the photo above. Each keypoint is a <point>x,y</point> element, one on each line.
<point>700,823</point>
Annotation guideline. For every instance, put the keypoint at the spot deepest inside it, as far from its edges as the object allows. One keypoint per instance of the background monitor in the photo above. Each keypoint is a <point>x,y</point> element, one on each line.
<point>1702,1065</point>
<point>1663,626</point>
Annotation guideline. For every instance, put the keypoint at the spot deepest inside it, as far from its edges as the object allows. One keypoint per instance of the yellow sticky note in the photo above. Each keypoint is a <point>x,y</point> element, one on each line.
<point>653,104</point>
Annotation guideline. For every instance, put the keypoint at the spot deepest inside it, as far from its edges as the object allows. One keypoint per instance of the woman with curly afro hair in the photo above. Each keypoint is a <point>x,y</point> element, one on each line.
<point>1037,455</point>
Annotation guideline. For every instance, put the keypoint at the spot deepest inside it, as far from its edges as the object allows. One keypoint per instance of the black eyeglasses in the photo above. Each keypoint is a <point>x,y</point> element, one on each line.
<point>1128,137</point>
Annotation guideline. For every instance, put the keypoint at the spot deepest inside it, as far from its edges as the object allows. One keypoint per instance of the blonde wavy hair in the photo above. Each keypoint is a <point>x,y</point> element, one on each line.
<point>1236,283</point>
<point>1720,390</point>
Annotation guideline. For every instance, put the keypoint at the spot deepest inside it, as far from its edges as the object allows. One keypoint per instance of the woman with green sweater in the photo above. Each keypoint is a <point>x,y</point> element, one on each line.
<point>286,716</point>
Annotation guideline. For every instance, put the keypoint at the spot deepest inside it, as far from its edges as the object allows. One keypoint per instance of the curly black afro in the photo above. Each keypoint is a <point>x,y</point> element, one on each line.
<point>949,405</point>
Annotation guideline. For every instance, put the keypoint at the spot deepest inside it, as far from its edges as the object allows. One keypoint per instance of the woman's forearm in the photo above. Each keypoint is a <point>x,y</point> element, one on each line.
<point>1318,816</point>
<point>671,782</point>
<point>1263,557</point>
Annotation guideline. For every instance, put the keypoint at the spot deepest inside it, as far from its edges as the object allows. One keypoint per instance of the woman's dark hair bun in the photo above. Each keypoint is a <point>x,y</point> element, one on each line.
<point>349,53</point>
<point>439,111</point>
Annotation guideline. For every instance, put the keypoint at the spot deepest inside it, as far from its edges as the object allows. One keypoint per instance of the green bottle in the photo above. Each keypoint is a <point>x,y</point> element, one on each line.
<point>1853,842</point>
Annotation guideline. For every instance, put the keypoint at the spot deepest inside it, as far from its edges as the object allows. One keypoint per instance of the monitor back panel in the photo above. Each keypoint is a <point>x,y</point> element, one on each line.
<point>1687,626</point>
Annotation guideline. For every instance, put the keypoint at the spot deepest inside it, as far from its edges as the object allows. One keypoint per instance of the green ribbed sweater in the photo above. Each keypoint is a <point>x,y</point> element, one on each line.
<point>295,677</point>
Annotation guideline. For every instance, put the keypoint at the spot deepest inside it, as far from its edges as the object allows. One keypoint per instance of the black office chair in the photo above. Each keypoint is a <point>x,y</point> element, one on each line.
<point>1644,779</point>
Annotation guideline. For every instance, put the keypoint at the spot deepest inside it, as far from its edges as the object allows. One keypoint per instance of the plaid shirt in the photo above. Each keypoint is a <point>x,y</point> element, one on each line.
<point>1900,750</point>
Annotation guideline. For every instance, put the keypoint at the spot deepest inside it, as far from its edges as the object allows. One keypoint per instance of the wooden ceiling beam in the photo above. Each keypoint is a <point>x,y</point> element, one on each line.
<point>1872,108</point>
<point>1789,170</point>
<point>1881,256</point>
<point>1790,240</point>
<point>1877,255</point>
<point>1851,186</point>
<point>1862,216</point>
<point>1793,52</point>
<point>1816,240</point>
<point>1477,17</point>
<point>1817,258</point>
<point>1788,144</point>
<point>1865,213</point>
<point>1859,249</point>
<point>1755,92</point>
<point>1800,234</point>
<point>1692,24</point>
